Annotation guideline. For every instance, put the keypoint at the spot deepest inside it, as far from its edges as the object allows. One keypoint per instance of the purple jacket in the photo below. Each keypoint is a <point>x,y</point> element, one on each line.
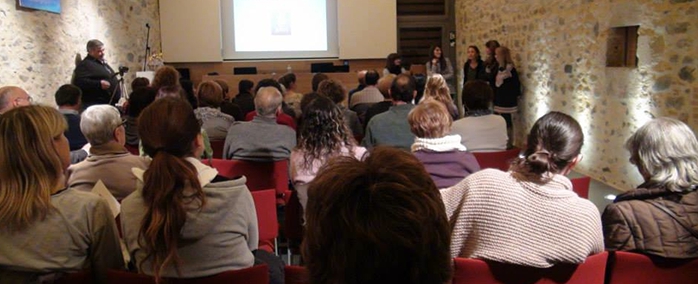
<point>448,168</point>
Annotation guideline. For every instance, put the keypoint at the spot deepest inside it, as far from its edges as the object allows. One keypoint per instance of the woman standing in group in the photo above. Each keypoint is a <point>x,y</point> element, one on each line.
<point>48,229</point>
<point>438,64</point>
<point>491,65</point>
<point>393,65</point>
<point>474,67</point>
<point>507,88</point>
<point>323,135</point>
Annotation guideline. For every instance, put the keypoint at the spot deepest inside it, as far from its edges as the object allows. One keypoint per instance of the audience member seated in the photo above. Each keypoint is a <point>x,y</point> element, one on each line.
<point>188,90</point>
<point>215,122</point>
<point>369,95</point>
<point>138,100</point>
<point>181,222</point>
<point>380,220</point>
<point>227,106</point>
<point>48,229</point>
<point>323,135</point>
<point>261,139</point>
<point>291,97</point>
<point>436,89</point>
<point>444,158</point>
<point>383,106</point>
<point>317,79</point>
<point>391,127</point>
<point>480,130</point>
<point>12,97</point>
<point>166,82</point>
<point>361,76</point>
<point>393,65</point>
<point>244,99</point>
<point>109,161</point>
<point>660,217</point>
<point>529,215</point>
<point>334,90</point>
<point>285,115</point>
<point>68,100</point>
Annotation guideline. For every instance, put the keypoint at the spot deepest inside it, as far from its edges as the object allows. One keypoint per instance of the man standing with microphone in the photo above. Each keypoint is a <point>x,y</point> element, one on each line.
<point>96,78</point>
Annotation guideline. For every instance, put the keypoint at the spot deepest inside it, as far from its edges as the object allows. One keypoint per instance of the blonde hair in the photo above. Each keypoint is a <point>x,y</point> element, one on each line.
<point>210,94</point>
<point>507,56</point>
<point>31,166</point>
<point>437,89</point>
<point>430,119</point>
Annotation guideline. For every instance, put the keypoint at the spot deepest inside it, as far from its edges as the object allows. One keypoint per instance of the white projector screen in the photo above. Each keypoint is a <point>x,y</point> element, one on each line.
<point>272,29</point>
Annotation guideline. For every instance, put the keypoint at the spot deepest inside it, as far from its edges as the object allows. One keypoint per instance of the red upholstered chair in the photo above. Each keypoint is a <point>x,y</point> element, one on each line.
<point>635,268</point>
<point>132,149</point>
<point>258,274</point>
<point>260,175</point>
<point>581,186</point>
<point>496,160</point>
<point>265,205</point>
<point>468,270</point>
<point>217,147</point>
<point>296,275</point>
<point>80,277</point>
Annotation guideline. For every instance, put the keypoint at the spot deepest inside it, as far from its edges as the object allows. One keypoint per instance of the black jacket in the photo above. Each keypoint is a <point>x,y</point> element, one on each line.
<point>508,93</point>
<point>480,73</point>
<point>88,74</point>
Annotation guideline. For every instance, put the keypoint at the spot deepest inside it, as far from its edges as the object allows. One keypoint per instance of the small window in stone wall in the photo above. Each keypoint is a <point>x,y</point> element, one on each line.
<point>622,47</point>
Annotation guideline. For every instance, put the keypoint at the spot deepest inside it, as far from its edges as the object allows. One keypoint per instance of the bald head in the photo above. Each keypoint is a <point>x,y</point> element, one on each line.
<point>362,77</point>
<point>12,97</point>
<point>267,101</point>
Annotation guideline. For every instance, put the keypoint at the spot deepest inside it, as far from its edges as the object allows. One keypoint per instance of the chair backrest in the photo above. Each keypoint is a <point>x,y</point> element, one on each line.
<point>258,274</point>
<point>260,175</point>
<point>496,160</point>
<point>132,149</point>
<point>265,205</point>
<point>217,147</point>
<point>581,186</point>
<point>80,277</point>
<point>296,275</point>
<point>635,268</point>
<point>468,270</point>
<point>293,214</point>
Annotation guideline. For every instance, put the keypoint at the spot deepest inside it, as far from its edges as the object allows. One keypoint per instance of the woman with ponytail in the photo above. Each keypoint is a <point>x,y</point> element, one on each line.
<point>182,221</point>
<point>529,215</point>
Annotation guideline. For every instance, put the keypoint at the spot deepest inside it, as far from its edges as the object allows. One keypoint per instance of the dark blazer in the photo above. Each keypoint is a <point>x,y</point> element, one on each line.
<point>75,137</point>
<point>480,73</point>
<point>88,74</point>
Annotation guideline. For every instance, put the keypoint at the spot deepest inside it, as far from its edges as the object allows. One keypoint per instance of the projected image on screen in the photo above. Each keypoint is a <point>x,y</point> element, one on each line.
<point>280,25</point>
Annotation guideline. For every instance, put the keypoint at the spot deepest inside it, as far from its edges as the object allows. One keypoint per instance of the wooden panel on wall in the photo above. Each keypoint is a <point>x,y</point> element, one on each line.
<point>421,7</point>
<point>416,42</point>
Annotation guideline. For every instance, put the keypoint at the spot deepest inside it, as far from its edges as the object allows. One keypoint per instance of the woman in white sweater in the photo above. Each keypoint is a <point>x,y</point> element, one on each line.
<point>529,215</point>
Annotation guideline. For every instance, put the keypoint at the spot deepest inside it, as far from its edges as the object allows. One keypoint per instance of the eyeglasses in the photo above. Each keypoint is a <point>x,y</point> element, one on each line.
<point>123,122</point>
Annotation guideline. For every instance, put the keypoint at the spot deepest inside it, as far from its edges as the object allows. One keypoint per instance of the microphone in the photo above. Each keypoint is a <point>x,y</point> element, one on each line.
<point>147,25</point>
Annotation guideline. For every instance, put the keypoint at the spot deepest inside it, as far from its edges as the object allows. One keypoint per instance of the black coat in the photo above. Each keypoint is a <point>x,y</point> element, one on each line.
<point>480,73</point>
<point>508,93</point>
<point>88,74</point>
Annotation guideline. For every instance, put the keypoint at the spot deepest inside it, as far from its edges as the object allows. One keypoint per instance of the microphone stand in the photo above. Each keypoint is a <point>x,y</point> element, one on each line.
<point>147,46</point>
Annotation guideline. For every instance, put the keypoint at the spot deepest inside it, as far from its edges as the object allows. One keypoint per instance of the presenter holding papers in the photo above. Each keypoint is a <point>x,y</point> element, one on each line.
<point>96,78</point>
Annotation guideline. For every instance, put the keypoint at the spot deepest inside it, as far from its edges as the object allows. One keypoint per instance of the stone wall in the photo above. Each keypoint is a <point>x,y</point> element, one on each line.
<point>38,48</point>
<point>559,47</point>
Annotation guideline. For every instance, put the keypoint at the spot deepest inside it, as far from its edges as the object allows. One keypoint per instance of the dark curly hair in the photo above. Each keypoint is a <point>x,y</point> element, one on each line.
<point>323,132</point>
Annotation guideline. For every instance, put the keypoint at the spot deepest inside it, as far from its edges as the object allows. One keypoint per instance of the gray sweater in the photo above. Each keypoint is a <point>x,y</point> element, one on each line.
<point>261,139</point>
<point>218,237</point>
<point>80,233</point>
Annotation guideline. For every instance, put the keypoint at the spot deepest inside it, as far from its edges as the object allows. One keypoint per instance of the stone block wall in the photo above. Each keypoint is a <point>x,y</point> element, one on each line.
<point>38,48</point>
<point>559,47</point>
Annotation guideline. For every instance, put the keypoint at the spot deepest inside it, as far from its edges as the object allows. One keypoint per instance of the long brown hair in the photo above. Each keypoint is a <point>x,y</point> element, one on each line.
<point>168,128</point>
<point>31,166</point>
<point>490,61</point>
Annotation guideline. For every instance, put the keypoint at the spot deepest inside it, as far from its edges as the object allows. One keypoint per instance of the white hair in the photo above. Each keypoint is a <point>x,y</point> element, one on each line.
<point>667,151</point>
<point>98,123</point>
<point>267,101</point>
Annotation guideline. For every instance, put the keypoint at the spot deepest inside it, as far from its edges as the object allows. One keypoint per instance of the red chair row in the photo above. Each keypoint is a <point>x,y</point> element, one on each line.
<point>260,175</point>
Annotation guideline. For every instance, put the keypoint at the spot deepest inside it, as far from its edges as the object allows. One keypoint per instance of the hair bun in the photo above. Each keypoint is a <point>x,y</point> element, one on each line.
<point>540,161</point>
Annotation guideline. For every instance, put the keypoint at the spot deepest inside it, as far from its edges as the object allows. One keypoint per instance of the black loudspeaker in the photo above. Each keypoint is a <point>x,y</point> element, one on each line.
<point>325,67</point>
<point>245,70</point>
<point>341,68</point>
